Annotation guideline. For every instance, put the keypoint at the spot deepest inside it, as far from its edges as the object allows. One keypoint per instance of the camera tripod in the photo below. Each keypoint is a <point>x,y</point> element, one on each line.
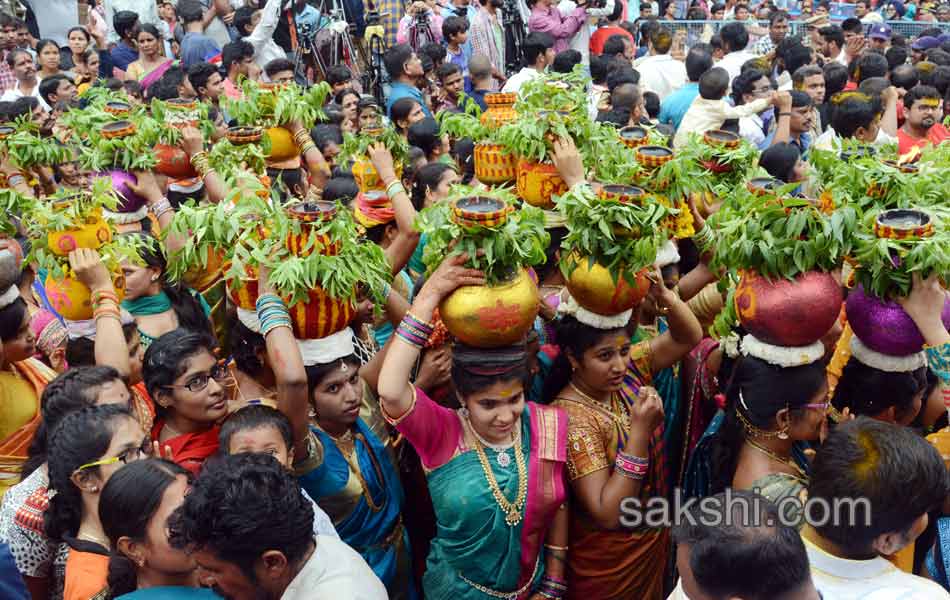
<point>330,44</point>
<point>419,33</point>
<point>514,28</point>
<point>375,44</point>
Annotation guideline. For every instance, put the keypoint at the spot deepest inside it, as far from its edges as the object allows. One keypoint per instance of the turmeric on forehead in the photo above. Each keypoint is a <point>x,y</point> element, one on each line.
<point>867,466</point>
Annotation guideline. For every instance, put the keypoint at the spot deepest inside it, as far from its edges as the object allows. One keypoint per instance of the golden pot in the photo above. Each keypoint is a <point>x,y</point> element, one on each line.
<point>538,183</point>
<point>494,164</point>
<point>595,289</point>
<point>492,316</point>
<point>500,109</point>
<point>73,300</point>
<point>366,176</point>
<point>282,145</point>
<point>93,235</point>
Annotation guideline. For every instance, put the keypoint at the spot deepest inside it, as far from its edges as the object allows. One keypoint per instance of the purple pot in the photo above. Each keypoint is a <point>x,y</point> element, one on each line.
<point>884,326</point>
<point>130,201</point>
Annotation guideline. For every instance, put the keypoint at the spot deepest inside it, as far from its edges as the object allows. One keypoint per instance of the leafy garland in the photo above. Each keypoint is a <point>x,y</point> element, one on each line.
<point>263,106</point>
<point>357,146</point>
<point>14,205</point>
<point>780,237</point>
<point>886,266</point>
<point>624,238</point>
<point>520,241</point>
<point>689,170</point>
<point>28,149</point>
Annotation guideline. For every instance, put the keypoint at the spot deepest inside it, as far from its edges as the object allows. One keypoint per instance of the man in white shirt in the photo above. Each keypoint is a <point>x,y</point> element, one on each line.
<point>877,481</point>
<point>735,38</point>
<point>735,545</point>
<point>538,51</point>
<point>860,119</point>
<point>660,73</point>
<point>27,84</point>
<point>249,528</point>
<point>581,39</point>
<point>257,27</point>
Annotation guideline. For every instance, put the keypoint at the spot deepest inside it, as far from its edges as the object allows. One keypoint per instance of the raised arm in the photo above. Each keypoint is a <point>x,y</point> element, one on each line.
<point>193,143</point>
<point>684,333</point>
<point>400,250</point>
<point>395,390</point>
<point>110,348</point>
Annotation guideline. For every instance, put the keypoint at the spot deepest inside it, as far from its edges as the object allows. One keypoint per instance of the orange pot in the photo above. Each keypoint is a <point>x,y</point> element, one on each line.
<point>501,110</point>
<point>595,289</point>
<point>282,145</point>
<point>538,183</point>
<point>92,235</point>
<point>494,164</point>
<point>173,162</point>
<point>73,300</point>
<point>201,278</point>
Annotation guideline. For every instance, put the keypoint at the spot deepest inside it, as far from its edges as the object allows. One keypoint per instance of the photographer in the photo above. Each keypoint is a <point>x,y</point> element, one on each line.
<point>595,9</point>
<point>420,14</point>
<point>545,18</point>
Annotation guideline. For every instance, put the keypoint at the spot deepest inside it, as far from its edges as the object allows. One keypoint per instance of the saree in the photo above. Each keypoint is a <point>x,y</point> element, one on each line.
<point>146,79</point>
<point>189,450</point>
<point>367,518</point>
<point>474,545</point>
<point>626,563</point>
<point>22,391</point>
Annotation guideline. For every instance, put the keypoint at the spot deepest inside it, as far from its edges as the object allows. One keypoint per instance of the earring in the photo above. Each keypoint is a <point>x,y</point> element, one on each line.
<point>783,435</point>
<point>154,278</point>
<point>94,488</point>
<point>464,412</point>
<point>312,413</point>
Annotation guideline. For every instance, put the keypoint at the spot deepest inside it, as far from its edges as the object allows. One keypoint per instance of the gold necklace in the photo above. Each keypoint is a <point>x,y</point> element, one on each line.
<point>512,510</point>
<point>621,422</point>
<point>350,443</point>
<point>501,450</point>
<point>785,461</point>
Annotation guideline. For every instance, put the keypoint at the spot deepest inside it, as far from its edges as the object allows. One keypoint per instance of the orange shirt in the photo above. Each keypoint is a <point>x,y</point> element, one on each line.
<point>935,135</point>
<point>86,571</point>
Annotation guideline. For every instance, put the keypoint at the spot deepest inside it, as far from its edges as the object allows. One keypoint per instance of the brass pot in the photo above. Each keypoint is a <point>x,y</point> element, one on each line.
<point>595,289</point>
<point>491,316</point>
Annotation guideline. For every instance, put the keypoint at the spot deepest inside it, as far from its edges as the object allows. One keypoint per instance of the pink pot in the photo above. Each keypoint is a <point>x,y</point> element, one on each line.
<point>130,201</point>
<point>788,313</point>
<point>884,326</point>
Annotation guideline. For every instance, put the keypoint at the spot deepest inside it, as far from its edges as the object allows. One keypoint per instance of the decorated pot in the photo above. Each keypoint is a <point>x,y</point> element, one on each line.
<point>884,326</point>
<point>73,300</point>
<point>480,212</point>
<point>907,168</point>
<point>653,157</point>
<point>182,113</point>
<point>903,224</point>
<point>366,176</point>
<point>723,139</point>
<point>239,136</point>
<point>119,109</point>
<point>490,316</point>
<point>131,201</point>
<point>494,164</point>
<point>282,145</point>
<point>706,203</point>
<point>788,312</point>
<point>93,235</point>
<point>201,278</point>
<point>633,136</point>
<point>538,183</point>
<point>762,186</point>
<point>118,129</point>
<point>594,288</point>
<point>311,215</point>
<point>173,162</point>
<point>501,110</point>
<point>6,131</point>
<point>625,194</point>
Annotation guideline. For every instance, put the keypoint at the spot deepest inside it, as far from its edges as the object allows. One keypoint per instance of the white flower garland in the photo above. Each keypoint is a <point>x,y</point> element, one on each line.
<point>782,356</point>
<point>569,306</point>
<point>885,362</point>
<point>9,297</point>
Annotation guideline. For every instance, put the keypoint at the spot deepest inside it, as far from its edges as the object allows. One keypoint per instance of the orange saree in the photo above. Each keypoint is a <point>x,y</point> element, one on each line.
<point>21,390</point>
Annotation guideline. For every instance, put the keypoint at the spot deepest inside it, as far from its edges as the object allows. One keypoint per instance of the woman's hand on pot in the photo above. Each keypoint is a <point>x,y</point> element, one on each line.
<point>192,142</point>
<point>145,185</point>
<point>89,269</point>
<point>568,162</point>
<point>263,280</point>
<point>925,306</point>
<point>382,161</point>
<point>451,275</point>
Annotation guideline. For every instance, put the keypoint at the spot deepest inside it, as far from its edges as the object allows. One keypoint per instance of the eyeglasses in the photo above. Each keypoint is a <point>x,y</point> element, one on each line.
<point>219,372</point>
<point>130,455</point>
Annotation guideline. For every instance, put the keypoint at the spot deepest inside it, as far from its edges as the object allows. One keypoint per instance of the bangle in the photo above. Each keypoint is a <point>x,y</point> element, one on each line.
<point>199,160</point>
<point>631,466</point>
<point>161,206</point>
<point>784,114</point>
<point>704,238</point>
<point>556,549</point>
<point>302,136</point>
<point>425,324</point>
<point>99,295</point>
<point>394,188</point>
<point>14,180</point>
<point>413,331</point>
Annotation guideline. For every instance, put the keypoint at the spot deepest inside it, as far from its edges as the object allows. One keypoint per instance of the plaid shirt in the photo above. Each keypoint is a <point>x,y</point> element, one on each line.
<point>763,46</point>
<point>7,78</point>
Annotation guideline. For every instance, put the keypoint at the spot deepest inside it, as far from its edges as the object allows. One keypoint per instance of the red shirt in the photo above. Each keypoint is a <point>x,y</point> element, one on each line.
<point>600,36</point>
<point>935,135</point>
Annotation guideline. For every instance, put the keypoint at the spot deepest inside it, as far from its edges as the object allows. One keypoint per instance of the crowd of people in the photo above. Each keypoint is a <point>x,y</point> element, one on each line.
<point>177,445</point>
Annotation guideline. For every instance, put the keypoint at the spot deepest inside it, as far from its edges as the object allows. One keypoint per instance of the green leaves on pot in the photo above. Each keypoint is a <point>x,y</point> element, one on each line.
<point>274,106</point>
<point>357,146</point>
<point>692,168</point>
<point>499,250</point>
<point>463,126</point>
<point>230,160</point>
<point>622,237</point>
<point>28,149</point>
<point>14,205</point>
<point>780,237</point>
<point>886,266</point>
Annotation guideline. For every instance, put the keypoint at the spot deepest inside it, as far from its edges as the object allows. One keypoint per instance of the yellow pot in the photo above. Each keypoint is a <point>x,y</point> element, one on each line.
<point>538,183</point>
<point>501,109</point>
<point>366,176</point>
<point>492,316</point>
<point>594,288</point>
<point>92,235</point>
<point>282,145</point>
<point>72,299</point>
<point>494,165</point>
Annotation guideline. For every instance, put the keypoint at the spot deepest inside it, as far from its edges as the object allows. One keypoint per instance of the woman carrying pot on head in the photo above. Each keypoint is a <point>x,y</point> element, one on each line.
<point>495,467</point>
<point>189,387</point>
<point>86,448</point>
<point>135,508</point>
<point>615,441</point>
<point>346,459</point>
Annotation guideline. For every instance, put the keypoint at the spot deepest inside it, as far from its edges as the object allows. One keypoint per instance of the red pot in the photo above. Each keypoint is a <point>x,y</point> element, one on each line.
<point>174,162</point>
<point>788,313</point>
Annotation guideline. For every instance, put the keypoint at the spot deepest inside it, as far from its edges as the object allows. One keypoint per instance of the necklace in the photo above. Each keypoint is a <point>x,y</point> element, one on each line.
<point>802,475</point>
<point>502,456</point>
<point>346,444</point>
<point>512,510</point>
<point>621,421</point>
<point>93,538</point>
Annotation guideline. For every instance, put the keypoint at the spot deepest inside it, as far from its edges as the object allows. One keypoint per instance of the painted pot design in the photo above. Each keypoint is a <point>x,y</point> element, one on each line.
<point>119,109</point>
<point>501,110</point>
<point>494,164</point>
<point>884,326</point>
<point>538,183</point>
<point>311,215</point>
<point>594,288</point>
<point>490,316</point>
<point>762,186</point>
<point>366,176</point>
<point>903,224</point>
<point>653,157</point>
<point>93,235</point>
<point>786,312</point>
<point>633,136</point>
<point>73,300</point>
<point>245,135</point>
<point>723,139</point>
<point>480,212</point>
<point>118,129</point>
<point>173,162</point>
